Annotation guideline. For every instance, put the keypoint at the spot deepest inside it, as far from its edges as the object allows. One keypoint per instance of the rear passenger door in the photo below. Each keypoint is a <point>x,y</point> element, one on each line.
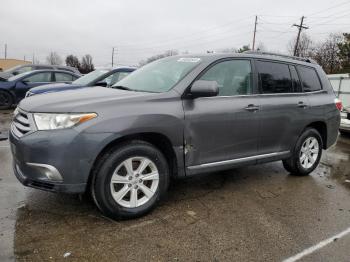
<point>62,77</point>
<point>35,79</point>
<point>283,107</point>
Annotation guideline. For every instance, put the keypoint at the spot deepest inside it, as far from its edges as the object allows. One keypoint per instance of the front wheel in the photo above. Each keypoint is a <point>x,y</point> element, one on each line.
<point>6,100</point>
<point>306,154</point>
<point>130,180</point>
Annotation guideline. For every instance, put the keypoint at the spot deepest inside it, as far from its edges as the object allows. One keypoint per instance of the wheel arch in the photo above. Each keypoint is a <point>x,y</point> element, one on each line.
<point>14,99</point>
<point>321,127</point>
<point>158,140</point>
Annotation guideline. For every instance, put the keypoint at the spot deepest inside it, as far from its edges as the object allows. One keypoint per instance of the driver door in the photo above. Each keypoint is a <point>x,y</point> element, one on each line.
<point>31,81</point>
<point>221,130</point>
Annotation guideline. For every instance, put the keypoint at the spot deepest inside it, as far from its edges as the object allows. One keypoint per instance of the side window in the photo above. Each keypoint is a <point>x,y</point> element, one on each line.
<point>62,77</point>
<point>274,77</point>
<point>309,79</point>
<point>295,79</point>
<point>117,77</point>
<point>234,77</point>
<point>40,77</point>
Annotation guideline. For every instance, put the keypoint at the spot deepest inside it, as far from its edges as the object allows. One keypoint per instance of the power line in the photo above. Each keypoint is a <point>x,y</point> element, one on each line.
<point>331,7</point>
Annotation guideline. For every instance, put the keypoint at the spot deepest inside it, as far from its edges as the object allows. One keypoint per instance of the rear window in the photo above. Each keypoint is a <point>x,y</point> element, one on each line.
<point>274,77</point>
<point>309,79</point>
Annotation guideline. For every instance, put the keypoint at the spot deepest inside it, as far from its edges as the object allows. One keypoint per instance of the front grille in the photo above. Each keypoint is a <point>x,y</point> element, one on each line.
<point>21,124</point>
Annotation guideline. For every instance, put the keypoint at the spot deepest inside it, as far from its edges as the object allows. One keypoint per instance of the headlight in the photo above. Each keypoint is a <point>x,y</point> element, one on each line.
<point>46,121</point>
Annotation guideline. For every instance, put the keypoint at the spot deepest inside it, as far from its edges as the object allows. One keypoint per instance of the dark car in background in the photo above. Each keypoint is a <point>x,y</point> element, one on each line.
<point>98,77</point>
<point>14,88</point>
<point>175,117</point>
<point>30,67</point>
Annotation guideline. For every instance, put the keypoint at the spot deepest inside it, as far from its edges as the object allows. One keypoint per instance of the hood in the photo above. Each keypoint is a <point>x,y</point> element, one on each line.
<point>81,100</point>
<point>53,88</point>
<point>5,75</point>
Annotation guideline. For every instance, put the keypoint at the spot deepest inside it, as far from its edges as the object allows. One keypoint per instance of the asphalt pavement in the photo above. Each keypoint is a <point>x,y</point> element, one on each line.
<point>257,213</point>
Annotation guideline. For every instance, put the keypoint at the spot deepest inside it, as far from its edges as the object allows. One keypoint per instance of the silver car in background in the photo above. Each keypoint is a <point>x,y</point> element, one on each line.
<point>341,87</point>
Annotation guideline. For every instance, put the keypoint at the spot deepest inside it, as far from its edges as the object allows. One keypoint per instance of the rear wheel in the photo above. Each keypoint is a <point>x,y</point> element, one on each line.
<point>306,154</point>
<point>130,180</point>
<point>6,100</point>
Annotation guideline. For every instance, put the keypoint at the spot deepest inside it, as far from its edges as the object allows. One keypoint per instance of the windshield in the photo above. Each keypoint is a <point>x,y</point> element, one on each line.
<point>90,77</point>
<point>13,78</point>
<point>159,76</point>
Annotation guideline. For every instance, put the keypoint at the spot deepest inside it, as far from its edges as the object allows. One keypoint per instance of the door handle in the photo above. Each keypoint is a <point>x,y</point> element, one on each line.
<point>252,108</point>
<point>301,104</point>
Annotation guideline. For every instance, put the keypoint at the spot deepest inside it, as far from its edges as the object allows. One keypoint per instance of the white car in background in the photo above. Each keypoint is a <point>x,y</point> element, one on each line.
<point>341,87</point>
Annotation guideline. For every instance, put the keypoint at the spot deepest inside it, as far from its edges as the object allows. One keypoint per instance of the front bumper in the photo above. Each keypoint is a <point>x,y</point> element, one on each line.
<point>68,153</point>
<point>45,184</point>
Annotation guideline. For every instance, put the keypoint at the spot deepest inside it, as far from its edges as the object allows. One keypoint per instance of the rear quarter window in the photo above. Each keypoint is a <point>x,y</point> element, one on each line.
<point>309,79</point>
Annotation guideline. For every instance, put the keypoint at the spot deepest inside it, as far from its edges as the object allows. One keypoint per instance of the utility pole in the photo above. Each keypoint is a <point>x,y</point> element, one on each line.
<point>300,27</point>
<point>24,58</point>
<point>33,58</point>
<point>112,56</point>
<point>256,22</point>
<point>5,51</point>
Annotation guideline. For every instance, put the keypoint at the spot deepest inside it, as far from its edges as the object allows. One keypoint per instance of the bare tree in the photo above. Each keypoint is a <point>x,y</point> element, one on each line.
<point>54,59</point>
<point>227,50</point>
<point>86,64</point>
<point>344,53</point>
<point>73,61</point>
<point>326,53</point>
<point>243,49</point>
<point>304,48</point>
<point>156,57</point>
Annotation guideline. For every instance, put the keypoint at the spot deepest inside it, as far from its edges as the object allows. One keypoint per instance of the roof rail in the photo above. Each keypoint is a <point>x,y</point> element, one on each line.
<point>304,59</point>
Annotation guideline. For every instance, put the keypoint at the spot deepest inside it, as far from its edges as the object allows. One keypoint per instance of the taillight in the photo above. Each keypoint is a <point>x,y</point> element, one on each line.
<point>338,104</point>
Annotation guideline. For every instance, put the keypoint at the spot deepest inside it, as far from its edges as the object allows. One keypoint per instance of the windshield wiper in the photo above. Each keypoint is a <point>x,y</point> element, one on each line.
<point>122,88</point>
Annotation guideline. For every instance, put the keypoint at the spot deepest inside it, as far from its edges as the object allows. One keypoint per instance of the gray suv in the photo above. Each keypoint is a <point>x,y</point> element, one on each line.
<point>176,117</point>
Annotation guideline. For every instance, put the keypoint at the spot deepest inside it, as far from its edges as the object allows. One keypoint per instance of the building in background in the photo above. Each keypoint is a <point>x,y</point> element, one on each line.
<point>8,63</point>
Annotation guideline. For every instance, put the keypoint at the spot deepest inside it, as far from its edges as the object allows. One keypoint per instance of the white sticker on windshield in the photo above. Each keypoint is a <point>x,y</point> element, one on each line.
<point>189,59</point>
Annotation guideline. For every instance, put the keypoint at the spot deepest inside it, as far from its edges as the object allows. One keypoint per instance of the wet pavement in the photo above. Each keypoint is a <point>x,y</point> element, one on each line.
<point>257,213</point>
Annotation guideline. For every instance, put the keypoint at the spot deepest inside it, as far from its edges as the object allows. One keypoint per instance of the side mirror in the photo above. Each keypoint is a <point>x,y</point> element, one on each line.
<point>15,73</point>
<point>101,83</point>
<point>25,81</point>
<point>203,88</point>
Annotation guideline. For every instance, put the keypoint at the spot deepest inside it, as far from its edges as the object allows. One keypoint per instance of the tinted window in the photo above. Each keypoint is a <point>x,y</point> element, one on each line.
<point>233,77</point>
<point>309,79</point>
<point>295,79</point>
<point>274,77</point>
<point>62,77</point>
<point>40,77</point>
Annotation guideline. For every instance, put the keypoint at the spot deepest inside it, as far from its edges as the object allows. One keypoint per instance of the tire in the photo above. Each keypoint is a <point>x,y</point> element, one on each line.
<point>344,133</point>
<point>306,154</point>
<point>117,200</point>
<point>6,100</point>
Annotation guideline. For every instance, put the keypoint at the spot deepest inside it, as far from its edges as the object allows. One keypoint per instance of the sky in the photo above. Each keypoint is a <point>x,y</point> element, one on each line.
<point>140,29</point>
